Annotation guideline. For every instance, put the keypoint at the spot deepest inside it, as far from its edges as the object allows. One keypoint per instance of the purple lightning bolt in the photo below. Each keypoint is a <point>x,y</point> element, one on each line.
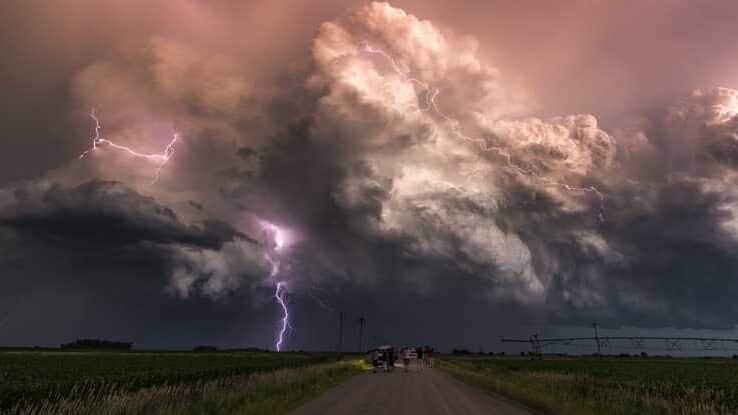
<point>280,290</point>
<point>279,295</point>
<point>161,159</point>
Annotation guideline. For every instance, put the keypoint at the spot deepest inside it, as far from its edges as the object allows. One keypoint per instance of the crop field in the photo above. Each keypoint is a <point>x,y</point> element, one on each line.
<point>608,385</point>
<point>44,379</point>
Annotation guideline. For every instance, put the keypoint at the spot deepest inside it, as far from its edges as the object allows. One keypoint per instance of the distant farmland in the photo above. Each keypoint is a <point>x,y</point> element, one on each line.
<point>607,385</point>
<point>158,382</point>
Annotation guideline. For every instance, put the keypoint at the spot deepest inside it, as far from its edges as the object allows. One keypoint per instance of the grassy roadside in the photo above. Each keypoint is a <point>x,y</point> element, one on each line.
<point>604,386</point>
<point>275,393</point>
<point>516,388</point>
<point>33,377</point>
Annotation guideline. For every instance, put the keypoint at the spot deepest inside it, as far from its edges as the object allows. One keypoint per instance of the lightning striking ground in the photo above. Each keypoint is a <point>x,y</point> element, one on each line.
<point>161,159</point>
<point>281,287</point>
<point>431,94</point>
<point>279,295</point>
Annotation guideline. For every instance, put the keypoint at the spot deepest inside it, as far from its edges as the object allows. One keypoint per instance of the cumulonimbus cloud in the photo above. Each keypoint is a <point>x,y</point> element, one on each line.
<point>402,158</point>
<point>436,172</point>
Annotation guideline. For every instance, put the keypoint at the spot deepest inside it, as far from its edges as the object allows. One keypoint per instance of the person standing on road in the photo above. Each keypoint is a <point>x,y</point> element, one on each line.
<point>376,361</point>
<point>419,352</point>
<point>406,358</point>
<point>412,356</point>
<point>391,359</point>
<point>428,354</point>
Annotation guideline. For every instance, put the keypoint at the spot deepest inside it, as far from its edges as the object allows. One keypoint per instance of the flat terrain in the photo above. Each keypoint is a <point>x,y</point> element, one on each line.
<point>252,382</point>
<point>429,392</point>
<point>607,384</point>
<point>32,377</point>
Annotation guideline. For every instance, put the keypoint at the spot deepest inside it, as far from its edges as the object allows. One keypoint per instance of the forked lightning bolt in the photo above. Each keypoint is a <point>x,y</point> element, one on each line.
<point>281,287</point>
<point>430,96</point>
<point>279,295</point>
<point>161,159</point>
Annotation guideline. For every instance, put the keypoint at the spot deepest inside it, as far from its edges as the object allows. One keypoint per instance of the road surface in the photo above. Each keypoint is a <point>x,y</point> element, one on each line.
<point>430,392</point>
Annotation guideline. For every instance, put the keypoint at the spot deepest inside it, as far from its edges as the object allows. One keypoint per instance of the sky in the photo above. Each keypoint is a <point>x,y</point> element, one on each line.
<point>451,173</point>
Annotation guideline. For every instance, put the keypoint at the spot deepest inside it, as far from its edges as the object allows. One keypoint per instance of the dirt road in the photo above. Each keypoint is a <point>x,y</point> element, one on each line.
<point>429,392</point>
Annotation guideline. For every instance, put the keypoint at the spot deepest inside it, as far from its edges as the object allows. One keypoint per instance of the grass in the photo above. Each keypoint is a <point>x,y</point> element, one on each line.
<point>617,386</point>
<point>164,383</point>
<point>271,393</point>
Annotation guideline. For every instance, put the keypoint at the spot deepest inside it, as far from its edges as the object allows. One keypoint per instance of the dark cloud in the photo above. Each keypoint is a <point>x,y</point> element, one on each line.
<point>670,267</point>
<point>108,213</point>
<point>487,185</point>
<point>247,152</point>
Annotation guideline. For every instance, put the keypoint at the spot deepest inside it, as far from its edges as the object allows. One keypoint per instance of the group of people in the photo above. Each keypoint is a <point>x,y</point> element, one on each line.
<point>384,357</point>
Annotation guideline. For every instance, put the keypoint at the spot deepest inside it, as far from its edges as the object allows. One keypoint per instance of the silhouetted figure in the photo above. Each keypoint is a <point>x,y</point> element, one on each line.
<point>391,358</point>
<point>406,353</point>
<point>419,352</point>
<point>428,355</point>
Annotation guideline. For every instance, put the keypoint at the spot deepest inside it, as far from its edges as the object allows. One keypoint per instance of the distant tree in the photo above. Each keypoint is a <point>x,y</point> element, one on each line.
<point>256,349</point>
<point>97,344</point>
<point>204,349</point>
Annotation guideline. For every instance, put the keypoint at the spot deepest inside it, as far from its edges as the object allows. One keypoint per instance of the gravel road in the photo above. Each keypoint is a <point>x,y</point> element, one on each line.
<point>430,392</point>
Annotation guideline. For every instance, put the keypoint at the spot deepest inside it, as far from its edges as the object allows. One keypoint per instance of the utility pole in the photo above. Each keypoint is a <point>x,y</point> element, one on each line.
<point>340,333</point>
<point>597,336</point>
<point>536,346</point>
<point>362,320</point>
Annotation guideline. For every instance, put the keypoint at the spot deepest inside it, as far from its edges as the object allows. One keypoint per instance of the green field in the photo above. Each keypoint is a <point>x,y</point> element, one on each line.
<point>607,385</point>
<point>31,381</point>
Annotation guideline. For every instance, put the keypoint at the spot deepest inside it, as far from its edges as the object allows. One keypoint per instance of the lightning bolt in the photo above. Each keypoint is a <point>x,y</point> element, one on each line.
<point>279,295</point>
<point>160,159</point>
<point>281,287</point>
<point>431,94</point>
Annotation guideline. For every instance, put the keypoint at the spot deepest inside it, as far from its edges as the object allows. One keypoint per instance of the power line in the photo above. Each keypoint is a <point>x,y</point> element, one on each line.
<point>674,343</point>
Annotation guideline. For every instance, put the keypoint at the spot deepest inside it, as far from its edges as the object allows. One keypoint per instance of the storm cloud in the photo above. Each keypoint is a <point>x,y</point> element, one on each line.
<point>377,155</point>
